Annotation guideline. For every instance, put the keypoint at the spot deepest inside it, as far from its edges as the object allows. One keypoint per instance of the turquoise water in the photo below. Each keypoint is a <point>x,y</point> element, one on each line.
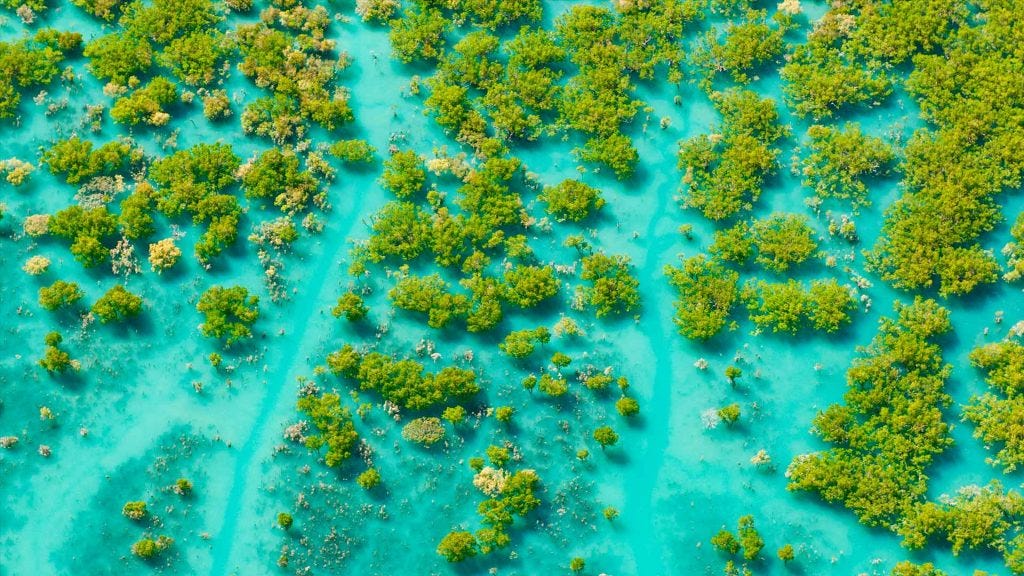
<point>675,482</point>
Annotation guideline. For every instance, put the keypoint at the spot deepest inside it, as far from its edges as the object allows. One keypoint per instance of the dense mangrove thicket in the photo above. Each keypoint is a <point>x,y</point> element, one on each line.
<point>958,165</point>
<point>890,427</point>
<point>999,415</point>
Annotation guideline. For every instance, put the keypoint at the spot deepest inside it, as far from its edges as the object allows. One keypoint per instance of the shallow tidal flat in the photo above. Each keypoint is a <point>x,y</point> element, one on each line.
<point>514,287</point>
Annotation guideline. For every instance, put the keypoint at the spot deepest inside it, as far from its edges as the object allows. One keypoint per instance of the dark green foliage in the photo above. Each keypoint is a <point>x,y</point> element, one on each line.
<point>429,295</point>
<point>742,48</point>
<point>529,90</point>
<point>275,117</point>
<point>491,14</point>
<point>333,423</point>
<point>782,240</point>
<point>146,105</point>
<point>613,289</point>
<point>1014,251</point>
<point>486,196</point>
<point>403,382</point>
<point>399,229</point>
<point>627,406</point>
<point>60,294</point>
<point>188,177</point>
<point>707,291</point>
<point>521,343</point>
<point>404,174</point>
<point>55,360</point>
<point>448,237</point>
<point>895,31</point>
<point>197,58</point>
<point>821,77</point>
<point>353,151</point>
<point>613,150</point>
<point>228,313</point>
<point>300,71</point>
<point>344,362</point>
<point>23,64</point>
<point>750,539</point>
<point>457,546</point>
<point>840,159</point>
<point>907,568</point>
<point>103,9</point>
<point>164,20</point>
<point>485,303</point>
<point>471,62</point>
<point>193,181</point>
<point>117,305</point>
<point>725,541</point>
<point>77,161</point>
<point>999,415</point>
<point>418,34</point>
<point>954,172</point>
<point>284,520</point>
<point>135,219</point>
<point>781,307</point>
<point>119,57</point>
<point>829,305</point>
<point>890,427</point>
<point>351,306</point>
<point>932,231</point>
<point>572,200</point>
<point>650,33</point>
<point>606,436</point>
<point>977,517</point>
<point>528,286</point>
<point>1003,363</point>
<point>724,173</point>
<point>86,229</point>
<point>276,175</point>
<point>450,105</point>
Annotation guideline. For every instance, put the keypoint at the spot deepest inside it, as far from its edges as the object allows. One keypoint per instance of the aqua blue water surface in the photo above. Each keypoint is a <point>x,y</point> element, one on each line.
<point>675,482</point>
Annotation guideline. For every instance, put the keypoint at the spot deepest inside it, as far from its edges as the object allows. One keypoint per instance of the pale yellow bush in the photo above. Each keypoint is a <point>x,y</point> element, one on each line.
<point>377,10</point>
<point>36,265</point>
<point>163,254</point>
<point>490,481</point>
<point>791,7</point>
<point>17,171</point>
<point>37,224</point>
